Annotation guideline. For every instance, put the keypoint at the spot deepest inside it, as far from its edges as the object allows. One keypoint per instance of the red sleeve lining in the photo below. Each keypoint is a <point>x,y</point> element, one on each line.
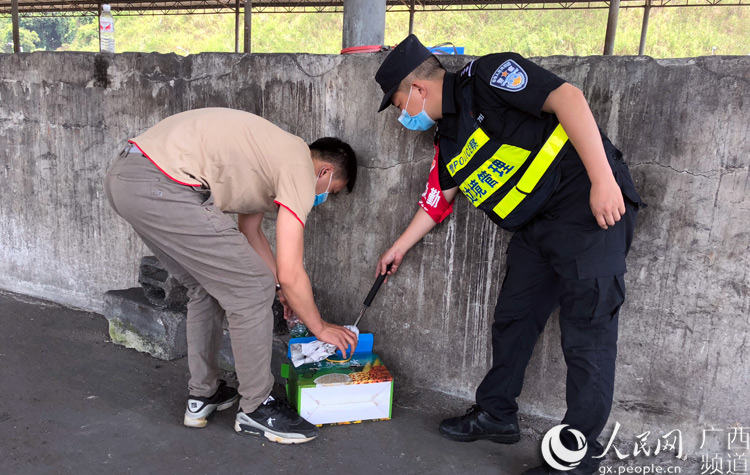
<point>290,210</point>
<point>157,166</point>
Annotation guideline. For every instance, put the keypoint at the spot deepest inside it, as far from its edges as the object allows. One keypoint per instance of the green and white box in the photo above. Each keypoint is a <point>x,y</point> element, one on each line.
<point>332,392</point>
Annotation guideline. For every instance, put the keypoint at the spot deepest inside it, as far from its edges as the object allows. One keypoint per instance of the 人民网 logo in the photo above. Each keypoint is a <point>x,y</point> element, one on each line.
<point>509,77</point>
<point>557,455</point>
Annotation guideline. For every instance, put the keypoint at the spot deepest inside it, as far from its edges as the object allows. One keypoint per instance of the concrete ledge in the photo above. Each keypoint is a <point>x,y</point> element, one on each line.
<point>136,323</point>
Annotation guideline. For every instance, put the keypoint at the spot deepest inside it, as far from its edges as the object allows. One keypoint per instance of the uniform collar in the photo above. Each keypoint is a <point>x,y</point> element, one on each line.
<point>448,125</point>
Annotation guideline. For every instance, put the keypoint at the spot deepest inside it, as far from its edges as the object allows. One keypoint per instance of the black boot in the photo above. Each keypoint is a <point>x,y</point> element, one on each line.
<point>478,424</point>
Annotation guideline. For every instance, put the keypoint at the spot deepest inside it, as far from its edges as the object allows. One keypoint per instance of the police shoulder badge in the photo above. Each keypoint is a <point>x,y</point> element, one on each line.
<point>509,77</point>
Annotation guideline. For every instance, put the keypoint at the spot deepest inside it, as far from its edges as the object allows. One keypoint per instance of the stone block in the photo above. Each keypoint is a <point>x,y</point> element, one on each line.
<point>165,291</point>
<point>160,287</point>
<point>135,322</point>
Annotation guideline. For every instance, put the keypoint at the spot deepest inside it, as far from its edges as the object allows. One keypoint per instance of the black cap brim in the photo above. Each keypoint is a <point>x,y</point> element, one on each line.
<point>387,98</point>
<point>401,61</point>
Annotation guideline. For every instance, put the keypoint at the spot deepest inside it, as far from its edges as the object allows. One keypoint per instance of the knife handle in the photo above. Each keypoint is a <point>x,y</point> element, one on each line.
<point>376,286</point>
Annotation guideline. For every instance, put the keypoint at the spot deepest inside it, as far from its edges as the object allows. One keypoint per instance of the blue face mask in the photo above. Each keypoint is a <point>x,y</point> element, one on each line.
<point>320,198</point>
<point>419,122</point>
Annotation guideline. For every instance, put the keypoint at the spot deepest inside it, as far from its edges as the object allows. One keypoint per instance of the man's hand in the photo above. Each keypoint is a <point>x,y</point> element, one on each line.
<point>607,203</point>
<point>393,256</point>
<point>337,335</point>
<point>288,312</point>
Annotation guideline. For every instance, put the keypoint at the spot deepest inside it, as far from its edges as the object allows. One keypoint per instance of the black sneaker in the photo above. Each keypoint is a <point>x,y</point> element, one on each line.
<point>200,408</point>
<point>276,421</point>
<point>478,424</point>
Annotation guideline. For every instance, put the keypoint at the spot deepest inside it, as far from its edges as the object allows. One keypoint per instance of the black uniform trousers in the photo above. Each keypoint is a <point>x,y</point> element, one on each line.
<point>562,257</point>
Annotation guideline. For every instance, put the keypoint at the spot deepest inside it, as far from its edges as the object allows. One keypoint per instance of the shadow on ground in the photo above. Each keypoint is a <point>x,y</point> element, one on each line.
<point>72,402</point>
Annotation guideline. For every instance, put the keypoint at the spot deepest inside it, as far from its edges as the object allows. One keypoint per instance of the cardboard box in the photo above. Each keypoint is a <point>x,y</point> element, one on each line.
<point>341,393</point>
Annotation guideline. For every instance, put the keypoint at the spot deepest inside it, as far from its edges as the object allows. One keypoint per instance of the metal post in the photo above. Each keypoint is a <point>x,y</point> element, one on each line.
<point>609,39</point>
<point>411,17</point>
<point>16,32</point>
<point>248,24</point>
<point>237,26</point>
<point>364,23</point>
<point>644,27</point>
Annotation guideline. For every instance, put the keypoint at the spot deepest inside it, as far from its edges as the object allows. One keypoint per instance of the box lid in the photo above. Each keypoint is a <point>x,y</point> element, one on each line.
<point>364,344</point>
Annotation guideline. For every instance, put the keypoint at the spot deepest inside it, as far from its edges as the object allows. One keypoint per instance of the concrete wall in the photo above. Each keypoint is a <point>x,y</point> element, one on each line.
<point>683,125</point>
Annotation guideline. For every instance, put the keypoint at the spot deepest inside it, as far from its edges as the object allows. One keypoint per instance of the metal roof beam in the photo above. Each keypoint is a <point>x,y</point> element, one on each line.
<point>28,8</point>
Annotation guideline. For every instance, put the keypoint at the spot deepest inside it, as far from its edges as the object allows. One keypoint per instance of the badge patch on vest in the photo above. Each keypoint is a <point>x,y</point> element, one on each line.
<point>509,77</point>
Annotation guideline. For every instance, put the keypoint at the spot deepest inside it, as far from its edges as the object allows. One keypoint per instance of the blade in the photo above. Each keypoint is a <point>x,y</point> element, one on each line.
<point>361,314</point>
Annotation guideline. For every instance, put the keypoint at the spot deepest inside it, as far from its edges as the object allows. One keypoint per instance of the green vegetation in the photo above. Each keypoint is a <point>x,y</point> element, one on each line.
<point>37,33</point>
<point>673,32</point>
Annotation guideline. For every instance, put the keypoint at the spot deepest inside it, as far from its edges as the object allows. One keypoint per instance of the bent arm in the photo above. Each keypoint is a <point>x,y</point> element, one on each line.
<point>569,105</point>
<point>296,285</point>
<point>291,272</point>
<point>420,225</point>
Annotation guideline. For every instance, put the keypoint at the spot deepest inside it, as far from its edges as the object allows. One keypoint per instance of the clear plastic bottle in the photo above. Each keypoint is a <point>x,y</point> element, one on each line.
<point>106,30</point>
<point>297,329</point>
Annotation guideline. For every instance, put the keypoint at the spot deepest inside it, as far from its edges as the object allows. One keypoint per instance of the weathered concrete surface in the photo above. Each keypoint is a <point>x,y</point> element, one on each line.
<point>683,125</point>
<point>135,322</point>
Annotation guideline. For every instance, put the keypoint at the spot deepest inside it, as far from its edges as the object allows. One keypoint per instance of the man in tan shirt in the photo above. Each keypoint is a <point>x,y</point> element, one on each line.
<point>174,184</point>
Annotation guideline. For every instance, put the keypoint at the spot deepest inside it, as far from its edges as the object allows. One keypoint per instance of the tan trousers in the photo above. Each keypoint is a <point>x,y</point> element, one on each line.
<point>203,248</point>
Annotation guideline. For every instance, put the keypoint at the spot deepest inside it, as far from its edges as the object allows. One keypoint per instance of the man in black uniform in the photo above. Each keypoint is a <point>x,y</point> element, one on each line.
<point>522,145</point>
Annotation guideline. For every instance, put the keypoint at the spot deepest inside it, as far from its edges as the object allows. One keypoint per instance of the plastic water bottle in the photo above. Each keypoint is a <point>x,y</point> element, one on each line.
<point>106,30</point>
<point>297,329</point>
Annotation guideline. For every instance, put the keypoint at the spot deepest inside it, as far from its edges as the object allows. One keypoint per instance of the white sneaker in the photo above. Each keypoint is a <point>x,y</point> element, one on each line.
<point>199,409</point>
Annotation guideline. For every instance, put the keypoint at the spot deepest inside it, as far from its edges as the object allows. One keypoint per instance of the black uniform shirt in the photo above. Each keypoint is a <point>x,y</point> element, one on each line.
<point>516,116</point>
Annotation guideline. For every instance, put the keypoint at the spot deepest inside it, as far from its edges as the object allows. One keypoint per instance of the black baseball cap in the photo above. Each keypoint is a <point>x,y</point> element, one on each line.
<point>404,59</point>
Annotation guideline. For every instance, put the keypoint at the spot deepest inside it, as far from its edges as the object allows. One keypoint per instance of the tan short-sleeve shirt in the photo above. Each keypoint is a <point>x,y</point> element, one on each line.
<point>249,164</point>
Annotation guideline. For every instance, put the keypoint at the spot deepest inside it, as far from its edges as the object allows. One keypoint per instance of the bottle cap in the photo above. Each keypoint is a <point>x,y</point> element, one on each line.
<point>106,8</point>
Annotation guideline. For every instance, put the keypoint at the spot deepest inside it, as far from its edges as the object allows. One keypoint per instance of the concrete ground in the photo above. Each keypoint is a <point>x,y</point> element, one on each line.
<point>71,402</point>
